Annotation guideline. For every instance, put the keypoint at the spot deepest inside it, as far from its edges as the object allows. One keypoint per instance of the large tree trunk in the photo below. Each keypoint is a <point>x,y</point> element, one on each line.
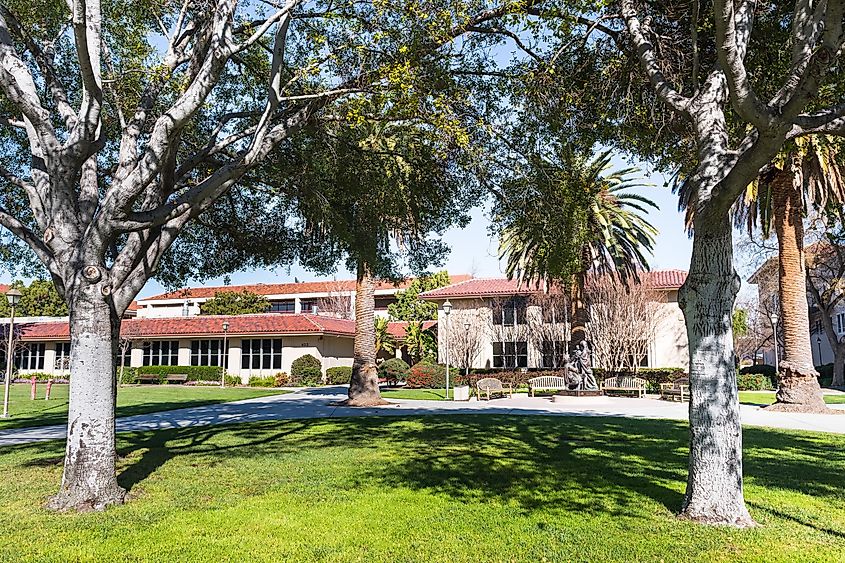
<point>89,480</point>
<point>714,485</point>
<point>363,388</point>
<point>798,384</point>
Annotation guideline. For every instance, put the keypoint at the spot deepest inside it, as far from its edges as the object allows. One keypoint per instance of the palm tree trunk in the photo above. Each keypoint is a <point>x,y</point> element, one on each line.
<point>363,388</point>
<point>798,384</point>
<point>577,308</point>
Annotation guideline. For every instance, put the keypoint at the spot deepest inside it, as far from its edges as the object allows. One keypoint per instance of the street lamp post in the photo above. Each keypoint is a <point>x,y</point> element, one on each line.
<point>13,295</point>
<point>447,308</point>
<point>819,345</point>
<point>774,318</point>
<point>224,353</point>
<point>468,348</point>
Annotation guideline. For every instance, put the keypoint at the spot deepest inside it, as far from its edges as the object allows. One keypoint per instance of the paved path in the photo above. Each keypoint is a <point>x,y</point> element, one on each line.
<point>317,403</point>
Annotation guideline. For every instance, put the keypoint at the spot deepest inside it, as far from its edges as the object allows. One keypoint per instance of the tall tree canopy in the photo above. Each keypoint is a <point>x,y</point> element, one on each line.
<point>123,122</point>
<point>38,299</point>
<point>235,303</point>
<point>409,307</point>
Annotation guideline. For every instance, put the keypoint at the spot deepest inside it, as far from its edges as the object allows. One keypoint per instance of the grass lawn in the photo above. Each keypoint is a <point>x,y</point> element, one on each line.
<point>768,397</point>
<point>422,394</point>
<point>130,400</point>
<point>469,488</point>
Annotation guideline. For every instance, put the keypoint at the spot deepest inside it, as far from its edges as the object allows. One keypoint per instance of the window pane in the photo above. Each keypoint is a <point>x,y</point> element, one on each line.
<point>277,346</point>
<point>256,361</point>
<point>277,361</point>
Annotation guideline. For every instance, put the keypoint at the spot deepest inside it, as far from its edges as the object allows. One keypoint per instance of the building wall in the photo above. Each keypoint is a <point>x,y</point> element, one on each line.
<point>669,347</point>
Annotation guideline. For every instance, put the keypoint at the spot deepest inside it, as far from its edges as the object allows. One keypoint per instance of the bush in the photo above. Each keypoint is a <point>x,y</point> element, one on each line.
<point>760,369</point>
<point>339,376</point>
<point>426,375</point>
<point>233,380</point>
<point>825,375</point>
<point>753,382</point>
<point>654,376</point>
<point>269,381</point>
<point>194,373</point>
<point>281,379</point>
<point>394,370</point>
<point>306,370</point>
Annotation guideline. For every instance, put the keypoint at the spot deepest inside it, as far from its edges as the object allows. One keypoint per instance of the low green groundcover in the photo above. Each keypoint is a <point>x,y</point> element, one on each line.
<point>452,489</point>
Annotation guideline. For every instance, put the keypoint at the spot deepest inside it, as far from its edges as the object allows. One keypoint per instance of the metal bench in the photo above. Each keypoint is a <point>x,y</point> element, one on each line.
<point>177,378</point>
<point>491,385</point>
<point>546,382</point>
<point>677,389</point>
<point>625,384</point>
<point>147,378</point>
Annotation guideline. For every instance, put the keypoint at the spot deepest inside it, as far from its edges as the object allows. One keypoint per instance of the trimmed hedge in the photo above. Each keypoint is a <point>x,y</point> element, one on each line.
<point>194,373</point>
<point>394,370</point>
<point>426,375</point>
<point>268,381</point>
<point>753,382</point>
<point>306,371</point>
<point>761,369</point>
<point>340,375</point>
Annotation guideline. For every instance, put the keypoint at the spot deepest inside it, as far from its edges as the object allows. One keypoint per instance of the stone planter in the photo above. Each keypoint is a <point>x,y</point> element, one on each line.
<point>461,392</point>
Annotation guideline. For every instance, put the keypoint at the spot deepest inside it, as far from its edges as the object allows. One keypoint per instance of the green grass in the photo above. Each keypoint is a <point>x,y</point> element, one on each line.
<point>130,400</point>
<point>452,489</point>
<point>768,397</point>
<point>421,394</point>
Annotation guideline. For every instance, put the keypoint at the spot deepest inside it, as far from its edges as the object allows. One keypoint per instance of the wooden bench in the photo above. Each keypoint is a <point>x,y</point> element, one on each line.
<point>625,384</point>
<point>491,385</point>
<point>177,378</point>
<point>677,389</point>
<point>147,378</point>
<point>546,382</point>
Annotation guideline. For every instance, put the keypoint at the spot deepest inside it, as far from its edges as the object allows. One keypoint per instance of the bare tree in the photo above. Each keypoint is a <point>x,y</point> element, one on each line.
<point>467,336</point>
<point>826,286</point>
<point>623,321</point>
<point>338,303</point>
<point>550,330</point>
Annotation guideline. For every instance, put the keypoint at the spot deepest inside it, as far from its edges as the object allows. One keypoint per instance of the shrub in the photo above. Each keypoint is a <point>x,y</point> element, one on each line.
<point>825,375</point>
<point>761,369</point>
<point>268,381</point>
<point>306,370</point>
<point>194,373</point>
<point>281,379</point>
<point>233,380</point>
<point>753,382</point>
<point>653,376</point>
<point>339,375</point>
<point>39,376</point>
<point>426,375</point>
<point>394,370</point>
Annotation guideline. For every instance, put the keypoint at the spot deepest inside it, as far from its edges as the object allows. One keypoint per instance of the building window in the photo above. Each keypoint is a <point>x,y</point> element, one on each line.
<point>510,312</point>
<point>261,353</point>
<point>554,353</point>
<point>554,314</point>
<point>62,356</point>
<point>510,354</point>
<point>161,353</point>
<point>287,306</point>
<point>30,356</point>
<point>817,328</point>
<point>207,352</point>
<point>381,303</point>
<point>840,323</point>
<point>307,305</point>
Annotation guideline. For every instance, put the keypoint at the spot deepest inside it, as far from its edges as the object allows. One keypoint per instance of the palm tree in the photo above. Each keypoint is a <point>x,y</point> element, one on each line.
<point>579,218</point>
<point>363,387</point>
<point>808,172</point>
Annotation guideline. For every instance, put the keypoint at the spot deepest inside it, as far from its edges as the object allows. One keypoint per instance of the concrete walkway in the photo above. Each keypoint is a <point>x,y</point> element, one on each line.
<point>317,403</point>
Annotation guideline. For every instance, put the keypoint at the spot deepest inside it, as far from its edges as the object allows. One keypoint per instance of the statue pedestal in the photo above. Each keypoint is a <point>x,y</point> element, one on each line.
<point>575,393</point>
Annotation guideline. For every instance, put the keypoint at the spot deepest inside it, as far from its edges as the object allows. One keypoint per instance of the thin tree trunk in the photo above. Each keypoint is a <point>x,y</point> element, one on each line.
<point>798,384</point>
<point>89,481</point>
<point>714,492</point>
<point>363,388</point>
<point>838,366</point>
<point>578,310</point>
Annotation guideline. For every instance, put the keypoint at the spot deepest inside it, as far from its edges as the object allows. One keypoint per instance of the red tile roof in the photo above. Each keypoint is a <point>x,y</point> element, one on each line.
<point>285,288</point>
<point>501,287</point>
<point>206,325</point>
<point>398,329</point>
<point>4,287</point>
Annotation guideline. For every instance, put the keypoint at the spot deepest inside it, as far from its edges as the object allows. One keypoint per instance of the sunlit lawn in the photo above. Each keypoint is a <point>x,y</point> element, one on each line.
<point>470,488</point>
<point>768,397</point>
<point>135,399</point>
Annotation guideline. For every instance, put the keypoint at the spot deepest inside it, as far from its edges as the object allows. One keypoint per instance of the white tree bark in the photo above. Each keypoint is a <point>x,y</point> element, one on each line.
<point>714,485</point>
